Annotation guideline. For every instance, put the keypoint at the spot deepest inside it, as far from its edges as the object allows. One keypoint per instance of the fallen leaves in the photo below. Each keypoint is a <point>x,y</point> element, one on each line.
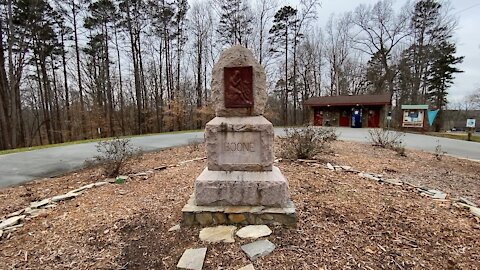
<point>344,221</point>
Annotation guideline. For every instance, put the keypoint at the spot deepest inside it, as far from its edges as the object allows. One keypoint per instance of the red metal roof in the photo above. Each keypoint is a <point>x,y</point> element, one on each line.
<point>348,100</point>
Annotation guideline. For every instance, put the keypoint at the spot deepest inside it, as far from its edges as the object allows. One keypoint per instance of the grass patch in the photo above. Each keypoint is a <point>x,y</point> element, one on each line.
<point>25,149</point>
<point>456,136</point>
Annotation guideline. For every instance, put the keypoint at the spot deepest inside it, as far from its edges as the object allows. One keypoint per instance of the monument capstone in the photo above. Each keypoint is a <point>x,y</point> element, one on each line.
<point>239,145</point>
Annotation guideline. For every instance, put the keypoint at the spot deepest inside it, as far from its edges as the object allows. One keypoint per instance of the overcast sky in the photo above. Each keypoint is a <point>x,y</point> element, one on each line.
<point>467,37</point>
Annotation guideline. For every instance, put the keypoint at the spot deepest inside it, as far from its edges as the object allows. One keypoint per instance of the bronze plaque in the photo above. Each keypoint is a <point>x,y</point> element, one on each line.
<point>238,83</point>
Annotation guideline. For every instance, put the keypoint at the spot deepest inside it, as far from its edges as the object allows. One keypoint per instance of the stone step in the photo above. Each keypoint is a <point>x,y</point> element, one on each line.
<point>193,214</point>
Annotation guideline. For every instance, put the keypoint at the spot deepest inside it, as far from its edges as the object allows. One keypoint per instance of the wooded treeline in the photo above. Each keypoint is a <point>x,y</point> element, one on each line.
<point>74,69</point>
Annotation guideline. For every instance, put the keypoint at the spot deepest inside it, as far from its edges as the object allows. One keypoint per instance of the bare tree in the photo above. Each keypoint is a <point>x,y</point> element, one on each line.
<point>307,13</point>
<point>378,32</point>
<point>264,12</point>
<point>138,72</point>
<point>201,26</point>
<point>474,99</point>
<point>337,50</point>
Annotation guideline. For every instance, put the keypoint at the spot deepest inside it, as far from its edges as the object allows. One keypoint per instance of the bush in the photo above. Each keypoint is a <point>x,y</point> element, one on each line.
<point>306,142</point>
<point>387,139</point>
<point>439,153</point>
<point>194,144</point>
<point>113,155</point>
<point>400,149</point>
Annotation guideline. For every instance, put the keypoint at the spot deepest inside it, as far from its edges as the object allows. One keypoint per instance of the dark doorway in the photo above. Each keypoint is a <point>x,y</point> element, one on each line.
<point>374,118</point>
<point>344,119</point>
<point>318,118</point>
<point>356,118</point>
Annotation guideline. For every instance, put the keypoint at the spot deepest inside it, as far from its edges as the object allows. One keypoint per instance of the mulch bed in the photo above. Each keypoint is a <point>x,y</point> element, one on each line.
<point>345,222</point>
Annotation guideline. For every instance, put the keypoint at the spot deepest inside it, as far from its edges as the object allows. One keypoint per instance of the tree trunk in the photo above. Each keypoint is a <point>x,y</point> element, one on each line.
<point>122,102</point>
<point>111,131</point>
<point>57,124</point>
<point>285,112</point>
<point>199,80</point>
<point>83,122</point>
<point>4,126</point>
<point>295,91</point>
<point>43,97</point>
<point>13,120</point>
<point>156,96</point>
<point>65,86</point>
<point>138,91</point>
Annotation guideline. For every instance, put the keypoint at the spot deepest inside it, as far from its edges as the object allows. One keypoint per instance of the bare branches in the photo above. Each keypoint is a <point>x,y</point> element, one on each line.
<point>379,28</point>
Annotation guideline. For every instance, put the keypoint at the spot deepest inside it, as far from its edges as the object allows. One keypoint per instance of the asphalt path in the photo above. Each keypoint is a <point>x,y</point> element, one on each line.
<point>18,168</point>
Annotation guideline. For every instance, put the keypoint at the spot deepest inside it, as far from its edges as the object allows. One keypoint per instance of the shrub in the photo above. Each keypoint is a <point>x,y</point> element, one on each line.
<point>439,153</point>
<point>194,144</point>
<point>113,155</point>
<point>387,139</point>
<point>400,149</point>
<point>306,142</point>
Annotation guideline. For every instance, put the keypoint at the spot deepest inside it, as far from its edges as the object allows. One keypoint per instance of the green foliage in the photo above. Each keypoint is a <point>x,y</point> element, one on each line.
<point>441,72</point>
<point>306,142</point>
<point>283,29</point>
<point>426,68</point>
<point>376,73</point>
<point>102,13</point>
<point>424,21</point>
<point>235,22</point>
<point>34,21</point>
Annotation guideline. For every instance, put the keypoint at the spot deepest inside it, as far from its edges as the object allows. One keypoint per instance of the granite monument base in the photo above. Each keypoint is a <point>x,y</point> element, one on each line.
<point>239,144</point>
<point>193,214</point>
<point>267,188</point>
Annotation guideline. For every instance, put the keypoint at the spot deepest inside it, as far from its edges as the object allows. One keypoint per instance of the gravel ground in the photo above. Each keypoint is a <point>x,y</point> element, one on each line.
<point>345,222</point>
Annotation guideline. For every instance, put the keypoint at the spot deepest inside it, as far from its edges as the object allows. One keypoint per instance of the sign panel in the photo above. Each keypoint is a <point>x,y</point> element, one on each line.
<point>432,114</point>
<point>238,87</point>
<point>413,118</point>
<point>470,123</point>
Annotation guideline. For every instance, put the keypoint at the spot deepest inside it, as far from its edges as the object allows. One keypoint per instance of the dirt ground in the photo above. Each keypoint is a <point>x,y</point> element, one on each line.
<point>344,221</point>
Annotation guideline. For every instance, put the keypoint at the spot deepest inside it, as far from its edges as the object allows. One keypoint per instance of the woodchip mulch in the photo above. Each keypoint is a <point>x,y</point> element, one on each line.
<point>344,221</point>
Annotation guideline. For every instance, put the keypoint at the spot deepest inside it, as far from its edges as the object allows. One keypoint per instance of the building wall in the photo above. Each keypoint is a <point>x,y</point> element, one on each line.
<point>458,118</point>
<point>331,115</point>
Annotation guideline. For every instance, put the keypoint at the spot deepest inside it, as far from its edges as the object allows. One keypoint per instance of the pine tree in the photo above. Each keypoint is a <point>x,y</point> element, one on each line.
<point>235,22</point>
<point>102,15</point>
<point>36,19</point>
<point>441,76</point>
<point>281,35</point>
<point>427,31</point>
<point>376,74</point>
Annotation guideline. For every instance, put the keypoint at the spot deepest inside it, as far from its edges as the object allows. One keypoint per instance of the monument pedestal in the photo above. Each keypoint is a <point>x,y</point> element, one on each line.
<point>193,214</point>
<point>267,188</point>
<point>239,144</point>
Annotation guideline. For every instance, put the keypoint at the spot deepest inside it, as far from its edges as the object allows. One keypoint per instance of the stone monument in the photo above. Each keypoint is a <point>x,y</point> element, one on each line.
<point>240,183</point>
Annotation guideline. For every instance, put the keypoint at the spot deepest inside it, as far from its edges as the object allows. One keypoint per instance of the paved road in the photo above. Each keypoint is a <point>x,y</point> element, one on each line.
<point>22,167</point>
<point>457,148</point>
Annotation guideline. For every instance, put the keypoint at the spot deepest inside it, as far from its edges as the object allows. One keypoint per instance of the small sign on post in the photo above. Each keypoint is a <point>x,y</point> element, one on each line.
<point>389,119</point>
<point>471,127</point>
<point>471,123</point>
